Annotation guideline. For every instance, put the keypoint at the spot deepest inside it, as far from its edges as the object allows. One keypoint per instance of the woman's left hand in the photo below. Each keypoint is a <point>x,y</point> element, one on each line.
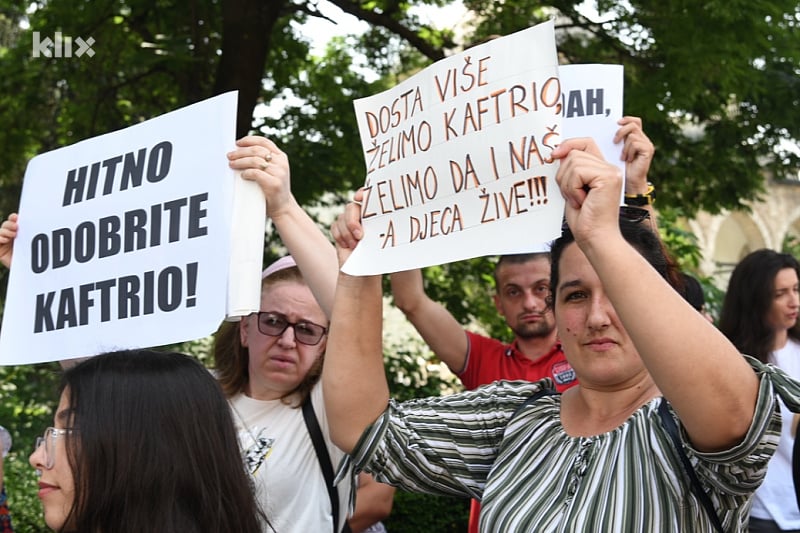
<point>261,160</point>
<point>591,186</point>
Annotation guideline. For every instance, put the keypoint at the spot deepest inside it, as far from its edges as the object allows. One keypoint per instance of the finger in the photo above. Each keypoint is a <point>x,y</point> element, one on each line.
<point>583,144</point>
<point>352,219</point>
<point>252,140</point>
<point>254,145</point>
<point>341,234</point>
<point>630,119</point>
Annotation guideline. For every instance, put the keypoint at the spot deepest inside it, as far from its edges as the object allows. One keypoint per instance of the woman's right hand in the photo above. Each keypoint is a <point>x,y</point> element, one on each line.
<point>347,230</point>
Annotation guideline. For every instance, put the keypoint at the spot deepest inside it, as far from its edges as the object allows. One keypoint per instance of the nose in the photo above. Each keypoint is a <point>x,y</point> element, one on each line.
<point>37,459</point>
<point>287,338</point>
<point>532,301</point>
<point>599,316</point>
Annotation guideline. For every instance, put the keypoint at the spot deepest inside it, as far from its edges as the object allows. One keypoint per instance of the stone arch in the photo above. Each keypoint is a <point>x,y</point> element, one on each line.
<point>739,234</point>
<point>793,225</point>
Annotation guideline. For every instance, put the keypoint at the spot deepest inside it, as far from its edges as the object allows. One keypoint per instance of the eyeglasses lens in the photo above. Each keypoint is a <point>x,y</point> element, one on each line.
<point>304,332</point>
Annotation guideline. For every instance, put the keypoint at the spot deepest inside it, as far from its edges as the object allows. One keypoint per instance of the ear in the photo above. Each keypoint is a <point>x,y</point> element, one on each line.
<point>244,323</point>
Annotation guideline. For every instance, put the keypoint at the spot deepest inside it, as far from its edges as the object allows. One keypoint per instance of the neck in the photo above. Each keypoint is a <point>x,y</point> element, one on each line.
<point>534,348</point>
<point>261,394</point>
<point>588,411</point>
<point>781,338</point>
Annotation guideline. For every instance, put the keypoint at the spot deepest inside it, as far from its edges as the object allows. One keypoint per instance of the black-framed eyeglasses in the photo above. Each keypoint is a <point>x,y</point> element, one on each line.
<point>305,332</point>
<point>626,212</point>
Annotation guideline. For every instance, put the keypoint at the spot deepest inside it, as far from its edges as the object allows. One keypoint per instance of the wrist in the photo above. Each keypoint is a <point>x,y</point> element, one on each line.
<point>643,199</point>
<point>286,209</point>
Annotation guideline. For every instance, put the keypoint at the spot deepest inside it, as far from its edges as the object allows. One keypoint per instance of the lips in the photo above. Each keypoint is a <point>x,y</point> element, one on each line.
<point>45,489</point>
<point>282,361</point>
<point>601,344</point>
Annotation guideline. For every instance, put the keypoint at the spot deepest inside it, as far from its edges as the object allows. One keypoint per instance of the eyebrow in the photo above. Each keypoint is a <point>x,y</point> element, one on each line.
<point>64,416</point>
<point>568,284</point>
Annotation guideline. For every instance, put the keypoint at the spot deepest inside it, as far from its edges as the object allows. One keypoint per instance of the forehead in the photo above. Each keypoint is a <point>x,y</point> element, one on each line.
<point>290,298</point>
<point>518,273</point>
<point>786,277</point>
<point>62,416</point>
<point>574,267</point>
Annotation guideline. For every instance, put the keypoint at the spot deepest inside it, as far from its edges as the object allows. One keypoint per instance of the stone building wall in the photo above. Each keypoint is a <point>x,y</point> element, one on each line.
<point>726,238</point>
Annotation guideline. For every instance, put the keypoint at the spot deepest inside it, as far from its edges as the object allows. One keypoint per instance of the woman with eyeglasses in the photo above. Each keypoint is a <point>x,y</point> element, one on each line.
<point>269,366</point>
<point>141,441</point>
<point>759,315</point>
<point>668,430</point>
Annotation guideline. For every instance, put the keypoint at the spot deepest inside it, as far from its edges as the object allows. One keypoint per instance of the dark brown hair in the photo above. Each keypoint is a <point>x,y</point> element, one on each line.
<point>154,447</point>
<point>231,358</point>
<point>743,318</point>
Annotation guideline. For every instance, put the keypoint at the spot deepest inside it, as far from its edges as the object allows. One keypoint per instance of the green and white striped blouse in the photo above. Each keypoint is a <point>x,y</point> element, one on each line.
<point>531,476</point>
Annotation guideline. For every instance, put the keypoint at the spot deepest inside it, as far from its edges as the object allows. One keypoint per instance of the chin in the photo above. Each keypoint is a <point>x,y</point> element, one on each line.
<point>56,523</point>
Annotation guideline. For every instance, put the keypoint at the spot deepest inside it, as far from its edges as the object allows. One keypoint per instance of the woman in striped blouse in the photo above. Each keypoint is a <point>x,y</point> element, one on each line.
<point>599,457</point>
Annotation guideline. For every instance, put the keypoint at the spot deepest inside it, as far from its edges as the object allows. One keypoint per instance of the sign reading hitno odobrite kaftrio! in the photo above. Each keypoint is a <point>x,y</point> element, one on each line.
<point>124,239</point>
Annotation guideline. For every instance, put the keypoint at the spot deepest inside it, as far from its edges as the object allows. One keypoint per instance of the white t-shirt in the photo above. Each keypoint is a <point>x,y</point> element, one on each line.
<point>281,458</point>
<point>775,498</point>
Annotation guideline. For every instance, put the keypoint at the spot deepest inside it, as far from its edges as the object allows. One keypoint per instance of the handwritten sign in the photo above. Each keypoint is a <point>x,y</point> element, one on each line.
<point>458,157</point>
<point>124,239</point>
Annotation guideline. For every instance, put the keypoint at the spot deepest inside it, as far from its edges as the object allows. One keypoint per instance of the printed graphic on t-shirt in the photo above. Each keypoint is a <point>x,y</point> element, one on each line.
<point>563,373</point>
<point>257,452</point>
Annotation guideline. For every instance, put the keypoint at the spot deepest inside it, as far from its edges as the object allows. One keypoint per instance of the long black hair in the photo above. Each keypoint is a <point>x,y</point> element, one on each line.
<point>750,294</point>
<point>153,448</point>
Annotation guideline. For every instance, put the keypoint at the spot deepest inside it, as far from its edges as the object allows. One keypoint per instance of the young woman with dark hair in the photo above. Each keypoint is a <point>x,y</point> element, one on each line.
<point>142,441</point>
<point>759,315</point>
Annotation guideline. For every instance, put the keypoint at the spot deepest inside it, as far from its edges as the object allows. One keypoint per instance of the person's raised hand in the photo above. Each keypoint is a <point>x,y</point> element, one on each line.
<point>347,230</point>
<point>261,160</point>
<point>637,152</point>
<point>8,232</point>
<point>591,187</point>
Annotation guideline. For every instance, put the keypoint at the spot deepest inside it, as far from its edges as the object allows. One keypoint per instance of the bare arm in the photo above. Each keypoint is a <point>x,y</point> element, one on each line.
<point>8,232</point>
<point>354,382</point>
<point>373,503</point>
<point>716,413</point>
<point>311,249</point>
<point>637,152</point>
<point>440,330</point>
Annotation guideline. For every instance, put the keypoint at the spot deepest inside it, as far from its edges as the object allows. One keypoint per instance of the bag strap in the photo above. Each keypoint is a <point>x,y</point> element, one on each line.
<point>697,488</point>
<point>324,461</point>
<point>532,398</point>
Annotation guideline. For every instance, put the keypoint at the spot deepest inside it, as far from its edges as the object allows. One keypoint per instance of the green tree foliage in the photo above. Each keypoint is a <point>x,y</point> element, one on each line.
<point>716,83</point>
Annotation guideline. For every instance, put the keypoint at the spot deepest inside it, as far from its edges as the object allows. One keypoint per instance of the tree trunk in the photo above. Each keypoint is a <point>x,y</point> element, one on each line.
<point>246,29</point>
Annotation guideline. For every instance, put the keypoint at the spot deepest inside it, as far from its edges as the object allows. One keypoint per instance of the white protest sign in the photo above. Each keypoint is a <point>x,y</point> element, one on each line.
<point>124,239</point>
<point>592,97</point>
<point>458,157</point>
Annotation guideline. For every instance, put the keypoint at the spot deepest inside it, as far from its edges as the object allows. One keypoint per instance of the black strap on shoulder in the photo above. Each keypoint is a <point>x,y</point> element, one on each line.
<point>697,488</point>
<point>532,398</point>
<point>324,461</point>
